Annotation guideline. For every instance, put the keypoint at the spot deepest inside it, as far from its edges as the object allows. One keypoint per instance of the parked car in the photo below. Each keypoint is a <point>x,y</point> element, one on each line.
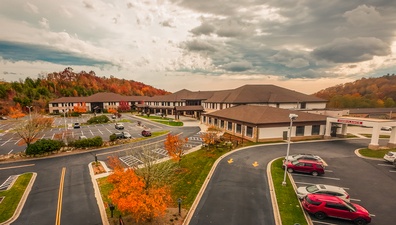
<point>390,156</point>
<point>386,128</point>
<point>322,206</point>
<point>3,118</point>
<point>82,137</point>
<point>323,189</point>
<point>76,125</point>
<point>119,135</point>
<point>305,166</point>
<point>304,156</point>
<point>119,126</point>
<point>126,135</point>
<point>146,133</point>
<point>113,117</point>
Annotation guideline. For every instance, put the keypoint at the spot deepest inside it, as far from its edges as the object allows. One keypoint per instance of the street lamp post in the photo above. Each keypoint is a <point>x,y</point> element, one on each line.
<point>64,116</point>
<point>292,117</point>
<point>30,115</point>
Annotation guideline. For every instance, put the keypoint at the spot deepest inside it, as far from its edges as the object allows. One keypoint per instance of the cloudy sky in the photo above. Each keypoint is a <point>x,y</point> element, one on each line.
<point>304,45</point>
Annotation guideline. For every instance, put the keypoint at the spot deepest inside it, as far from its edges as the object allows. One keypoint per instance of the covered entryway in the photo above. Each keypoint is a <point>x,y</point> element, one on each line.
<point>376,125</point>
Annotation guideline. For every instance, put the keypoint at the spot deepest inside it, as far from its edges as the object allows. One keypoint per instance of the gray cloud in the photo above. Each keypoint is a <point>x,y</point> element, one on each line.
<point>237,66</point>
<point>345,50</point>
<point>199,45</point>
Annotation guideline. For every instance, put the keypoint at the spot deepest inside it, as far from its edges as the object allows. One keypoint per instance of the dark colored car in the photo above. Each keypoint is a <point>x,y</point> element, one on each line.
<point>322,206</point>
<point>305,166</point>
<point>146,133</point>
<point>76,125</point>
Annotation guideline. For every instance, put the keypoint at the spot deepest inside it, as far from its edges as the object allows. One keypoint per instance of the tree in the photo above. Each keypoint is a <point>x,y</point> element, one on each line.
<point>29,130</point>
<point>80,108</point>
<point>16,112</point>
<point>174,145</point>
<point>212,135</point>
<point>131,196</point>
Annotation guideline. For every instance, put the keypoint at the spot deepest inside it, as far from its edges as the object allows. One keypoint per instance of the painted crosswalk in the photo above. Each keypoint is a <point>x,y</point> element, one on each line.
<point>130,161</point>
<point>8,182</point>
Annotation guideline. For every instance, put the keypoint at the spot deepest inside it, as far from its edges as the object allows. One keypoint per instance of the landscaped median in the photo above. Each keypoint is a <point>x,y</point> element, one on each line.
<point>290,210</point>
<point>14,197</point>
<point>376,154</point>
<point>163,120</point>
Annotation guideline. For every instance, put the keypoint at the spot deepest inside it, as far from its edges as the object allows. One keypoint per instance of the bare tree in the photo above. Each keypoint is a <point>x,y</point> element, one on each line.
<point>29,129</point>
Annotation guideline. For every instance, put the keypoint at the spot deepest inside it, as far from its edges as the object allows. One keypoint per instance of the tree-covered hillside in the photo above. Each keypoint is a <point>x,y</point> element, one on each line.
<point>364,93</point>
<point>38,92</point>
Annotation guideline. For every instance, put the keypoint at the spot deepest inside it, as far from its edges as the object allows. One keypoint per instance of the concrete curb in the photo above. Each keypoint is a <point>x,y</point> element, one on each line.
<point>365,157</point>
<point>98,196</point>
<point>275,207</point>
<point>22,201</point>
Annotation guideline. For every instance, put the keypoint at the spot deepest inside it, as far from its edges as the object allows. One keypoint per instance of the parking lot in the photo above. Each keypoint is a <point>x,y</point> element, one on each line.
<point>370,183</point>
<point>10,142</point>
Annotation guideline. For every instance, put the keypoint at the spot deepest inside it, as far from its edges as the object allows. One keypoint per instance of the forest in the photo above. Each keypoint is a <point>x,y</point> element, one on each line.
<point>379,92</point>
<point>67,83</point>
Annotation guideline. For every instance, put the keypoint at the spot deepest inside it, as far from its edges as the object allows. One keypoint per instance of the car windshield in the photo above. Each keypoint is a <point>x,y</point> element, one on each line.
<point>350,206</point>
<point>312,188</point>
<point>295,162</point>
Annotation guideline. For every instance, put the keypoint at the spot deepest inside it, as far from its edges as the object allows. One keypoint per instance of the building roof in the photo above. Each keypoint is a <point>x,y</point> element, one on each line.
<point>256,114</point>
<point>262,94</point>
<point>101,97</point>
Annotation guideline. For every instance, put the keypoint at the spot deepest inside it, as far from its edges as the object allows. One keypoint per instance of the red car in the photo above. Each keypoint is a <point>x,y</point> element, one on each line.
<point>146,133</point>
<point>305,166</point>
<point>322,206</point>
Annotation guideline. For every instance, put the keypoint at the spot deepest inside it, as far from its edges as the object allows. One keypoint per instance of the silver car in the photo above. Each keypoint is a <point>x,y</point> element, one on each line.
<point>323,189</point>
<point>390,157</point>
<point>304,156</point>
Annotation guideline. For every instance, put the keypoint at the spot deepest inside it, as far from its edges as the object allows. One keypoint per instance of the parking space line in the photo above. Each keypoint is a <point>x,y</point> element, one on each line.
<point>355,200</point>
<point>100,131</point>
<point>330,178</point>
<point>10,151</point>
<point>18,141</point>
<point>91,132</point>
<point>384,165</point>
<point>53,135</point>
<point>42,136</point>
<point>392,171</point>
<point>330,171</point>
<point>6,142</point>
<point>321,222</point>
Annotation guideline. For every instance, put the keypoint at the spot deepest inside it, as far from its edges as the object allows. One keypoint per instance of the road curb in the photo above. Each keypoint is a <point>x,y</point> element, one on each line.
<point>275,207</point>
<point>98,196</point>
<point>22,201</point>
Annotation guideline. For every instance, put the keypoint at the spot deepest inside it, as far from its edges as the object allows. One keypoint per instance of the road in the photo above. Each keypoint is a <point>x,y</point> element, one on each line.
<point>238,190</point>
<point>78,204</point>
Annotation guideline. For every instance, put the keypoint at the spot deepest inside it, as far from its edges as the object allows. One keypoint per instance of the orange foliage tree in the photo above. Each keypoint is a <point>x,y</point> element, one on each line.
<point>80,108</point>
<point>112,110</point>
<point>130,195</point>
<point>16,112</point>
<point>212,135</point>
<point>174,145</point>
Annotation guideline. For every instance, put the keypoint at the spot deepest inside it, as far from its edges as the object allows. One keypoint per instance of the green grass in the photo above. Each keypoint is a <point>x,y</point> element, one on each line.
<point>288,203</point>
<point>381,135</point>
<point>13,196</point>
<point>374,153</point>
<point>163,120</point>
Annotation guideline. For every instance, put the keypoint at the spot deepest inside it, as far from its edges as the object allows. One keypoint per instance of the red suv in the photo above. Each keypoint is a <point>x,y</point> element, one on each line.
<point>146,133</point>
<point>305,166</point>
<point>321,206</point>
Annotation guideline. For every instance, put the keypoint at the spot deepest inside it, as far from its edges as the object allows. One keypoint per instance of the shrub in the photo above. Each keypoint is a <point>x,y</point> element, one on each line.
<point>44,146</point>
<point>113,137</point>
<point>86,143</point>
<point>98,119</point>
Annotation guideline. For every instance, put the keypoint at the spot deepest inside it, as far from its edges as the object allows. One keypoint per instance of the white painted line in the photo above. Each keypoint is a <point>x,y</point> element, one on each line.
<point>321,222</point>
<point>18,141</point>
<point>91,132</point>
<point>392,171</point>
<point>355,200</point>
<point>372,215</point>
<point>53,135</point>
<point>100,131</point>
<point>109,131</point>
<point>10,151</point>
<point>6,142</point>
<point>385,165</point>
<point>330,171</point>
<point>42,136</point>
<point>303,175</point>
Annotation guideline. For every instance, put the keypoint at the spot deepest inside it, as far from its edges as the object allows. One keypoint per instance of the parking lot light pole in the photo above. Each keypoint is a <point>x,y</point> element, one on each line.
<point>292,117</point>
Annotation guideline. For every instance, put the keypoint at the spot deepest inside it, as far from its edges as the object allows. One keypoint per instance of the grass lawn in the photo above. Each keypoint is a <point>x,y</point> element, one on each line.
<point>374,153</point>
<point>13,196</point>
<point>163,120</point>
<point>288,203</point>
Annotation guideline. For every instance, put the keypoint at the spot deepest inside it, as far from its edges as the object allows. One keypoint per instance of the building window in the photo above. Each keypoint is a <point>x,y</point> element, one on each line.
<point>249,131</point>
<point>204,119</point>
<point>303,105</point>
<point>222,123</point>
<point>229,126</point>
<point>238,128</point>
<point>215,122</point>
<point>210,120</point>
<point>315,129</point>
<point>300,131</point>
<point>54,104</point>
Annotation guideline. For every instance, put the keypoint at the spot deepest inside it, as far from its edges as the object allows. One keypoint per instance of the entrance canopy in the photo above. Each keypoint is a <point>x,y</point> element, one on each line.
<point>376,124</point>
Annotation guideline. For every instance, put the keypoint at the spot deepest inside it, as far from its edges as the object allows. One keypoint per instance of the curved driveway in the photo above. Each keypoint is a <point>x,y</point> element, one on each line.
<point>237,192</point>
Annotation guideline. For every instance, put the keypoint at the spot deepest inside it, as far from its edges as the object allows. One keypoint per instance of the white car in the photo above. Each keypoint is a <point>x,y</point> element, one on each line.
<point>323,189</point>
<point>127,135</point>
<point>304,156</point>
<point>390,157</point>
<point>386,128</point>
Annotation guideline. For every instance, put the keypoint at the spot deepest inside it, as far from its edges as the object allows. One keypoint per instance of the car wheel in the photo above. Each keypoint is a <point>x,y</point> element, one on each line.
<point>320,215</point>
<point>314,173</point>
<point>360,221</point>
<point>290,170</point>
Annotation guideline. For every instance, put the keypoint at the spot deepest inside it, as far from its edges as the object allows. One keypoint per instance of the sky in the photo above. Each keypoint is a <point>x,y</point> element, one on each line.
<point>303,45</point>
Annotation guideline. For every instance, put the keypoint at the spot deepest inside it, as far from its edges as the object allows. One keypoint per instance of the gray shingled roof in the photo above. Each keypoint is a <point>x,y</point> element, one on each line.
<point>255,114</point>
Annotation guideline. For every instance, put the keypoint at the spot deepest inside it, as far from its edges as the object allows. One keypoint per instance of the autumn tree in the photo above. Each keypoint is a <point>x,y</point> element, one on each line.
<point>80,108</point>
<point>16,112</point>
<point>29,129</point>
<point>212,135</point>
<point>130,195</point>
<point>174,145</point>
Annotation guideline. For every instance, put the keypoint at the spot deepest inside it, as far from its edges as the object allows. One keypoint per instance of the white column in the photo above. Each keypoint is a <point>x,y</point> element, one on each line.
<point>375,137</point>
<point>392,139</point>
<point>344,129</point>
<point>328,128</point>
